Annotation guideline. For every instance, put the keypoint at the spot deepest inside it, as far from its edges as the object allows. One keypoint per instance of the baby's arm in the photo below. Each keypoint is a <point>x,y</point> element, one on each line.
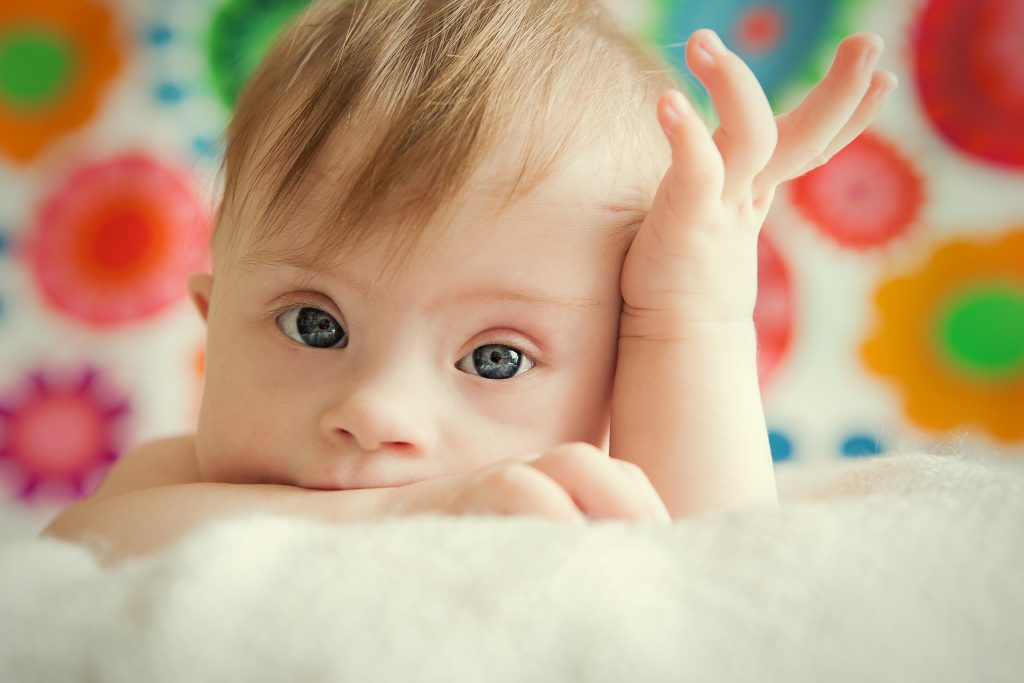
<point>153,497</point>
<point>686,405</point>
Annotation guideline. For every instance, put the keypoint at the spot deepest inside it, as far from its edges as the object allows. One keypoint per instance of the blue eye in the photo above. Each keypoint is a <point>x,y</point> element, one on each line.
<point>495,361</point>
<point>312,327</point>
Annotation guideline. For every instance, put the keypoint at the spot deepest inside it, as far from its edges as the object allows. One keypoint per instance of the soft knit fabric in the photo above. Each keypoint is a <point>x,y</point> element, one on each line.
<point>904,568</point>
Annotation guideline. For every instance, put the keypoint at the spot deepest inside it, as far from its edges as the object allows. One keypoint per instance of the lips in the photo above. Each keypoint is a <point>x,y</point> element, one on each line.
<point>367,472</point>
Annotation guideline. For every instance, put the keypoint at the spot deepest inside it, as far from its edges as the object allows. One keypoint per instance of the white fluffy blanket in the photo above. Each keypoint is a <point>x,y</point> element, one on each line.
<point>905,568</point>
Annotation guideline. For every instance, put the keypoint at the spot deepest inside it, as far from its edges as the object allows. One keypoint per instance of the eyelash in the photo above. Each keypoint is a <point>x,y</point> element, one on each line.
<point>280,310</point>
<point>281,321</point>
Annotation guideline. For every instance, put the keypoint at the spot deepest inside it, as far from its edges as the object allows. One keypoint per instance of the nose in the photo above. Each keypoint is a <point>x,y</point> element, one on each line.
<point>377,414</point>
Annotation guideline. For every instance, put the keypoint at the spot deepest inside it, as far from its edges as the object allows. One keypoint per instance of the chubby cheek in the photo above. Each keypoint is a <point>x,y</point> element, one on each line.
<point>245,402</point>
<point>586,378</point>
<point>584,411</point>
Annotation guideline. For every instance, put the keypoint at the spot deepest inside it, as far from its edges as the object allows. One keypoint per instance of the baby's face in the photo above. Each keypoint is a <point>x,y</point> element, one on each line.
<point>500,340</point>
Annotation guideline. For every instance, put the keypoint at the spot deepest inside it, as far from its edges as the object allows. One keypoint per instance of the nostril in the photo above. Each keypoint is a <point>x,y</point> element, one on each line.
<point>349,439</point>
<point>401,446</point>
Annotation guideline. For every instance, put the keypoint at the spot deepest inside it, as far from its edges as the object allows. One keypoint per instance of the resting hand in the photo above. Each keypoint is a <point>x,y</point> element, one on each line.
<point>571,482</point>
<point>694,259</point>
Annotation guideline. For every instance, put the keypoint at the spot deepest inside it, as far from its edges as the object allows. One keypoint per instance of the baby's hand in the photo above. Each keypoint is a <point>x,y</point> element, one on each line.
<point>570,482</point>
<point>694,260</point>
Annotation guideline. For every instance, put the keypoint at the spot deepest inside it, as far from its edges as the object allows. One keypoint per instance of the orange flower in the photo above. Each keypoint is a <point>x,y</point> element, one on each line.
<point>55,58</point>
<point>951,337</point>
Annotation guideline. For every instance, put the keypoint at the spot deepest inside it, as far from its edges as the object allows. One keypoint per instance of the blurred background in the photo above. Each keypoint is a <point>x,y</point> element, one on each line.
<point>891,309</point>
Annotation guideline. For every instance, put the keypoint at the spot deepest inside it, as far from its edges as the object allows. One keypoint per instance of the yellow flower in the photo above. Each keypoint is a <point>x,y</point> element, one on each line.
<point>950,337</point>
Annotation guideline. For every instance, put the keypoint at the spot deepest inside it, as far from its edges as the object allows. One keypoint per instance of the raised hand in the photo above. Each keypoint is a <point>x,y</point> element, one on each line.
<point>694,258</point>
<point>686,405</point>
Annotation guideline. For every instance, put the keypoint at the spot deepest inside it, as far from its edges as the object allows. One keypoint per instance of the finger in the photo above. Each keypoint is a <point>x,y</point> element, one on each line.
<point>693,183</point>
<point>807,132</point>
<point>519,489</point>
<point>882,85</point>
<point>659,512</point>
<point>597,485</point>
<point>746,133</point>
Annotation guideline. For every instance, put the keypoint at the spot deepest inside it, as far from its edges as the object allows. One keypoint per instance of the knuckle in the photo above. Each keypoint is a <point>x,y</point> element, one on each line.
<point>577,451</point>
<point>637,474</point>
<point>519,489</point>
<point>632,469</point>
<point>817,153</point>
<point>515,485</point>
<point>508,477</point>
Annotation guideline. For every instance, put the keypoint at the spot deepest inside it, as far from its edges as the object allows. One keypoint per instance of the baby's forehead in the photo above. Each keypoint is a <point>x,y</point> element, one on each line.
<point>530,247</point>
<point>570,209</point>
<point>599,175</point>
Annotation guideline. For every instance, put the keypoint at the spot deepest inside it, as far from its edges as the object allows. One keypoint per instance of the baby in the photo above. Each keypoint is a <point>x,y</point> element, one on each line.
<point>459,270</point>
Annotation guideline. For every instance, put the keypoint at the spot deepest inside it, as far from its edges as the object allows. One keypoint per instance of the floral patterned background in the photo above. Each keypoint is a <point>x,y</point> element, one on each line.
<point>891,312</point>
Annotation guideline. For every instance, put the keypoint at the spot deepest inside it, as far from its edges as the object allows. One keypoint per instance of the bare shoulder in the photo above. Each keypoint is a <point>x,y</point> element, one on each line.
<point>162,462</point>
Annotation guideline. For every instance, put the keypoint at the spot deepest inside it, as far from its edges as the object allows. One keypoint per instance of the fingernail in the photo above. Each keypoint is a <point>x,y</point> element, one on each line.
<point>669,124</point>
<point>871,56</point>
<point>708,46</point>
<point>887,86</point>
<point>703,56</point>
<point>676,107</point>
<point>679,106</point>
<point>713,43</point>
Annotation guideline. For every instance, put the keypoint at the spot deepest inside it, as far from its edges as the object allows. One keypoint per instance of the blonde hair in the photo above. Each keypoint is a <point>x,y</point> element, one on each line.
<point>414,94</point>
